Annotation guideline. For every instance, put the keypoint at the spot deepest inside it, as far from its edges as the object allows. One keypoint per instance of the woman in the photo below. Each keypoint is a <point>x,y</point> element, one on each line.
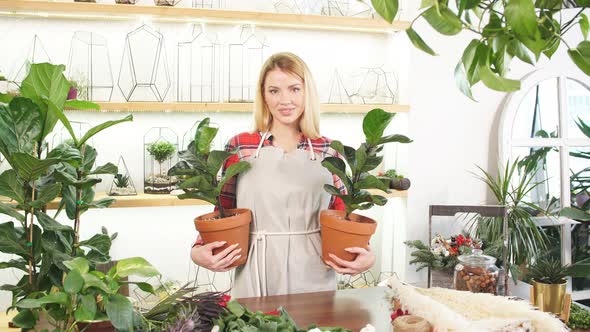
<point>284,190</point>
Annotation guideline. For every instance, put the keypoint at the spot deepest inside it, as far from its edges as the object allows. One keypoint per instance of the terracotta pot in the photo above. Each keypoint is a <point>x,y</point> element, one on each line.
<point>339,233</point>
<point>102,326</point>
<point>233,229</point>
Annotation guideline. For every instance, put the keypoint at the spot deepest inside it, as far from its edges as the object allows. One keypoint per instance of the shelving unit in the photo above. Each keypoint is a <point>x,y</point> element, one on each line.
<point>95,11</point>
<point>146,200</point>
<point>237,107</point>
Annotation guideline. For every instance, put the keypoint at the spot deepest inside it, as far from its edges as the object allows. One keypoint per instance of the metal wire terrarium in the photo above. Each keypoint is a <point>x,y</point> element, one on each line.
<point>144,74</point>
<point>166,2</point>
<point>126,2</point>
<point>245,61</point>
<point>189,136</point>
<point>199,68</point>
<point>211,4</point>
<point>122,184</point>
<point>375,86</point>
<point>35,54</point>
<point>63,135</point>
<point>160,154</point>
<point>89,66</point>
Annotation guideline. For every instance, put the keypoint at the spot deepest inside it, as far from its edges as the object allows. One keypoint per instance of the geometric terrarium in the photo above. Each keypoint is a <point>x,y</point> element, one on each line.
<point>35,54</point>
<point>144,72</point>
<point>245,61</point>
<point>189,136</point>
<point>89,66</point>
<point>122,182</point>
<point>199,68</point>
<point>375,86</point>
<point>335,8</point>
<point>211,4</point>
<point>63,135</point>
<point>338,93</point>
<point>304,7</point>
<point>160,147</point>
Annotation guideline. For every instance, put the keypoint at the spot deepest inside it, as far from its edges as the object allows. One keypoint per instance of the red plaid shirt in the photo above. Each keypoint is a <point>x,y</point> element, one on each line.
<point>247,143</point>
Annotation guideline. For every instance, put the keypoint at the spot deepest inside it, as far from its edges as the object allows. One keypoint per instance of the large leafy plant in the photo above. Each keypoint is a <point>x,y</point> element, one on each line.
<point>361,161</point>
<point>88,295</point>
<point>37,177</point>
<point>507,29</point>
<point>201,165</point>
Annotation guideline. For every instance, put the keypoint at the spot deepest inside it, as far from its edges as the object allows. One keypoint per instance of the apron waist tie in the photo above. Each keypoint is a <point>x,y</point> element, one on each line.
<point>261,236</point>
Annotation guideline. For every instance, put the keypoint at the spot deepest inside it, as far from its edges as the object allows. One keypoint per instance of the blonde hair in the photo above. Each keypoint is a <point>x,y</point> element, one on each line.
<point>292,64</point>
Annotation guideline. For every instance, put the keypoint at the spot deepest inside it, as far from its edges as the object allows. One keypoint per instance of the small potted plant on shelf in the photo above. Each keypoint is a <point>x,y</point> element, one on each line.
<point>159,182</point>
<point>170,3</point>
<point>398,181</point>
<point>122,186</point>
<point>202,167</point>
<point>344,229</point>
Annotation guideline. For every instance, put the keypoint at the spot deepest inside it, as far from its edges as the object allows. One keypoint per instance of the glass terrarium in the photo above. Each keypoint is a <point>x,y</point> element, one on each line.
<point>189,136</point>
<point>35,54</point>
<point>166,2</point>
<point>122,184</point>
<point>211,4</point>
<point>246,57</point>
<point>375,86</point>
<point>63,135</point>
<point>144,74</point>
<point>199,68</point>
<point>338,93</point>
<point>89,67</point>
<point>160,154</point>
<point>477,273</point>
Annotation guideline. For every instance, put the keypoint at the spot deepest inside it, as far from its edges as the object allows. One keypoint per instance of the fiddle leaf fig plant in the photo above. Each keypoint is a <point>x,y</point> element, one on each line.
<point>522,29</point>
<point>361,161</point>
<point>202,166</point>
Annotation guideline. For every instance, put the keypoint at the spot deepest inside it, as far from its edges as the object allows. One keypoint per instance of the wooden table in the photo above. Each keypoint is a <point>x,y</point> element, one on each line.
<point>351,308</point>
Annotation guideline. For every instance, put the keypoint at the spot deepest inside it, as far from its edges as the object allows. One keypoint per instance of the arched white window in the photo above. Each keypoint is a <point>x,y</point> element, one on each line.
<point>545,118</point>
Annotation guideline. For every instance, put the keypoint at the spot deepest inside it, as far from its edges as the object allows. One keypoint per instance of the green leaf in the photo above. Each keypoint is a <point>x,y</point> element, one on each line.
<point>65,153</point>
<point>443,20</point>
<point>25,319</point>
<point>492,80</point>
<point>233,170</point>
<point>236,309</point>
<point>120,312</point>
<point>216,160</point>
<point>198,183</point>
<point>100,204</point>
<point>144,286</point>
<point>371,182</point>
<point>394,138</point>
<point>20,127</point>
<point>10,243</point>
<point>95,130</point>
<point>379,200</point>
<point>50,224</point>
<point>73,282</point>
<point>199,195</point>
<point>88,159</point>
<point>70,180</point>
<point>108,168</point>
<point>581,56</point>
<point>46,195</point>
<point>10,211</point>
<point>575,213</point>
<point>584,25</point>
<point>135,266</point>
<point>86,308</point>
<point>519,50</point>
<point>6,98</point>
<point>30,168</point>
<point>386,8</point>
<point>332,190</point>
<point>418,42</point>
<point>81,105</point>
<point>520,15</point>
<point>553,46</point>
<point>374,124</point>
<point>470,61</point>
<point>338,167</point>
<point>204,136</point>
<point>53,298</point>
<point>462,82</point>
<point>47,87</point>
<point>98,242</point>
<point>92,281</point>
<point>80,264</point>
<point>15,264</point>
<point>11,186</point>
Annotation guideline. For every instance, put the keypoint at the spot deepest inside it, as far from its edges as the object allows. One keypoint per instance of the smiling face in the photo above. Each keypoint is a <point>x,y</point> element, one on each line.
<point>284,96</point>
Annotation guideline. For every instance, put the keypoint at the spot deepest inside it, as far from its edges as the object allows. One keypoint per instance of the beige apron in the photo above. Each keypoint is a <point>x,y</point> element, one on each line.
<point>285,192</point>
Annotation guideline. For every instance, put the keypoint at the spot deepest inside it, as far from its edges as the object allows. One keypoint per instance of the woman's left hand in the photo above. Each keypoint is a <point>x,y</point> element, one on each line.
<point>364,260</point>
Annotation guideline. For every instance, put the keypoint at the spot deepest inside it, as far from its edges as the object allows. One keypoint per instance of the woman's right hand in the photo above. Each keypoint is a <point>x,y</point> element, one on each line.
<point>203,256</point>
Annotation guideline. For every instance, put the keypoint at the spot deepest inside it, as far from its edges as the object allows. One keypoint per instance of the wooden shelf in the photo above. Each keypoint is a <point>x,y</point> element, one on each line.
<point>96,11</point>
<point>147,200</point>
<point>236,107</point>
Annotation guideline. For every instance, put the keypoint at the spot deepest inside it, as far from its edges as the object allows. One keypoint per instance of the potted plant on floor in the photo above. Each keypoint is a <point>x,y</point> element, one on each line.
<point>202,166</point>
<point>344,229</point>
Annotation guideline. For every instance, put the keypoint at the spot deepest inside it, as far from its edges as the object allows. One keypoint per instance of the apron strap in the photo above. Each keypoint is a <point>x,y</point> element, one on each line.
<point>311,153</point>
<point>261,236</point>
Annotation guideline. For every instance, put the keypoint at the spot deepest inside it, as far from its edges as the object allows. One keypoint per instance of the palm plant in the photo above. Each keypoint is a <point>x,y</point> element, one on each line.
<point>510,188</point>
